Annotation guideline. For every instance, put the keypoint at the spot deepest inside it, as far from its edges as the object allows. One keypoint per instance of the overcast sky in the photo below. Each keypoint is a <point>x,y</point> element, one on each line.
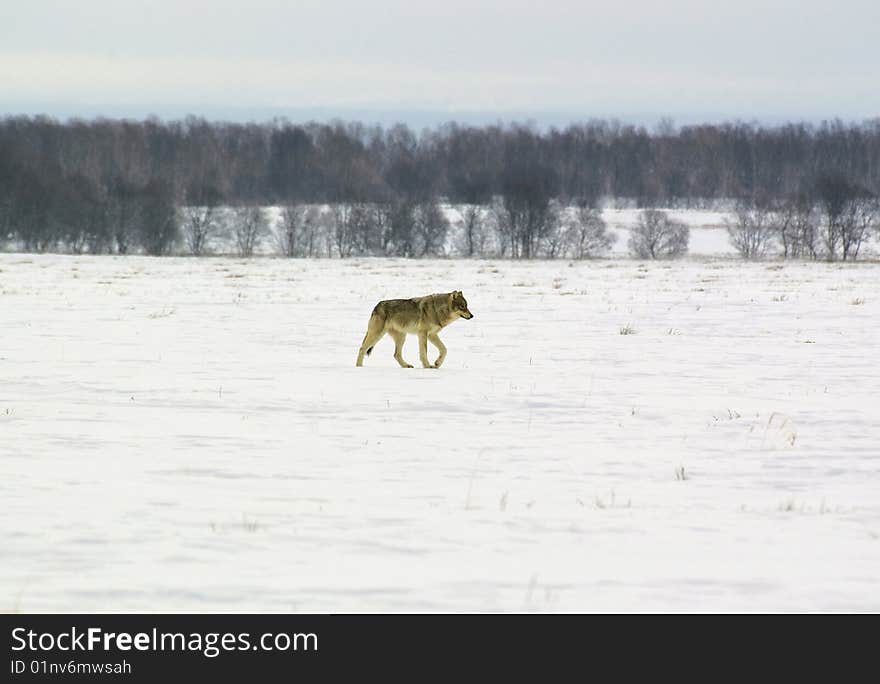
<point>553,59</point>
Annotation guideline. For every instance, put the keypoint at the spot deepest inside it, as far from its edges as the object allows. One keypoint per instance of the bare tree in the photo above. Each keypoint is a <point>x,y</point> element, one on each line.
<point>297,230</point>
<point>877,226</point>
<point>862,215</point>
<point>199,224</point>
<point>355,229</point>
<point>656,236</point>
<point>526,223</point>
<point>472,240</point>
<point>588,234</point>
<point>849,213</point>
<point>751,230</point>
<point>158,228</point>
<point>502,225</point>
<point>249,225</point>
<point>834,193</point>
<point>525,228</point>
<point>400,217</point>
<point>124,214</point>
<point>431,226</point>
<point>381,217</point>
<point>796,224</point>
<point>344,234</point>
<point>316,229</point>
<point>287,230</point>
<point>528,185</point>
<point>555,241</point>
<point>365,230</point>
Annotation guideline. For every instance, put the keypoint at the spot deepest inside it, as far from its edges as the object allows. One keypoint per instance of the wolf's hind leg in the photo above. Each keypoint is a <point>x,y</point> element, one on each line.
<point>399,338</point>
<point>374,334</point>
<point>435,340</point>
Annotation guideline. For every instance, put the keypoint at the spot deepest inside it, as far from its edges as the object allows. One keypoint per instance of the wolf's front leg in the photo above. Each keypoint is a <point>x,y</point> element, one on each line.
<point>423,350</point>
<point>435,340</point>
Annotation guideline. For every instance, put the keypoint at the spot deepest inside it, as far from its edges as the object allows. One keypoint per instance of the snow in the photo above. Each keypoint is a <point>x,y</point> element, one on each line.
<point>186,434</point>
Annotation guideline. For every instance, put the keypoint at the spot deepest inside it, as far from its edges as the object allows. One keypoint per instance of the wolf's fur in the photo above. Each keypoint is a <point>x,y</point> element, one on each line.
<point>422,316</point>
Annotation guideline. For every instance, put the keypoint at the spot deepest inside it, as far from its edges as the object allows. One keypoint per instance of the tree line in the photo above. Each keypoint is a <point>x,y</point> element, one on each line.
<point>113,186</point>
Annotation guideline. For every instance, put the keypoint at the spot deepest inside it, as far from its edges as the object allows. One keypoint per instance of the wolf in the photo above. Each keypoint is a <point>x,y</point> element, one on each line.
<point>422,316</point>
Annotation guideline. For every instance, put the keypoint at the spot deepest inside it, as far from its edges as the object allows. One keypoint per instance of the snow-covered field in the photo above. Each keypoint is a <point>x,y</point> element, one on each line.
<point>192,435</point>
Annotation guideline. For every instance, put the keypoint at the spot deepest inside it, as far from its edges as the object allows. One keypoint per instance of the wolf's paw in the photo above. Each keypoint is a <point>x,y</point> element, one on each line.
<point>408,365</point>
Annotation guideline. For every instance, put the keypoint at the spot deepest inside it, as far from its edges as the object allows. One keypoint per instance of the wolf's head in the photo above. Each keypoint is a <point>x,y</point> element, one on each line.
<point>459,304</point>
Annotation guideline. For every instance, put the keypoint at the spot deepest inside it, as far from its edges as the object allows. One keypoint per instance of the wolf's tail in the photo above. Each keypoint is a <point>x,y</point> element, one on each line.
<point>377,322</point>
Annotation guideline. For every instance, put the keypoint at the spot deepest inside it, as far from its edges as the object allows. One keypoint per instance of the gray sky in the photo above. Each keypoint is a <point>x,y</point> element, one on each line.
<point>551,60</point>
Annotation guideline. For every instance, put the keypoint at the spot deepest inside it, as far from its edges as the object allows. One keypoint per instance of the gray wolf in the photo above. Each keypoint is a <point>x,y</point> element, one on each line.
<point>422,316</point>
